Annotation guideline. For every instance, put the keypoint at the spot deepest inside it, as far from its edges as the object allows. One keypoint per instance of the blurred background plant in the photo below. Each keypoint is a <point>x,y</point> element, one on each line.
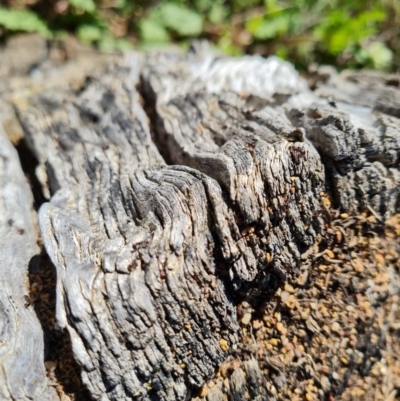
<point>346,33</point>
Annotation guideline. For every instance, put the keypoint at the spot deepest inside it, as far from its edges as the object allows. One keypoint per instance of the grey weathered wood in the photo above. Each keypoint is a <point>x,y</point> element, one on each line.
<point>350,119</point>
<point>272,174</point>
<point>131,239</point>
<point>353,120</point>
<point>22,370</point>
<point>29,65</point>
<point>149,255</point>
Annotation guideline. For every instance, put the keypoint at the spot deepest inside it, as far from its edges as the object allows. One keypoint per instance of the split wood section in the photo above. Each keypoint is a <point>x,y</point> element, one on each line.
<point>150,256</point>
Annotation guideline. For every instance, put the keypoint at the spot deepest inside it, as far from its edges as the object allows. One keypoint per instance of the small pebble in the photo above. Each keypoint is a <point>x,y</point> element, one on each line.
<point>246,318</point>
<point>223,344</point>
<point>280,327</point>
<point>203,392</point>
<point>284,296</point>
<point>257,324</point>
<point>335,327</point>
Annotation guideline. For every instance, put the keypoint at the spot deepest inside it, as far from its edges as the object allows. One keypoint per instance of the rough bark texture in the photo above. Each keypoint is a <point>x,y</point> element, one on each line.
<point>31,65</point>
<point>351,119</point>
<point>131,240</point>
<point>271,173</point>
<point>150,256</point>
<point>22,370</point>
<point>358,135</point>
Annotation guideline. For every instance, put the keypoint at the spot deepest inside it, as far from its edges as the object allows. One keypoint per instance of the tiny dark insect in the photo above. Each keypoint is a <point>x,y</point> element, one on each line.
<point>20,231</point>
<point>10,222</point>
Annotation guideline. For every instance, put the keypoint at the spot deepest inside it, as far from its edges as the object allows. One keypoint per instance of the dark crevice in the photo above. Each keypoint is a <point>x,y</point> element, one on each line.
<point>29,163</point>
<point>58,348</point>
<point>149,106</point>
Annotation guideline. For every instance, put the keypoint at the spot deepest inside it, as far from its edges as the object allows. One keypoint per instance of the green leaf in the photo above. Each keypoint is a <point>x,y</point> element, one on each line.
<point>203,5</point>
<point>123,44</point>
<point>342,31</point>
<point>270,27</point>
<point>226,46</point>
<point>86,5</point>
<point>22,20</point>
<point>253,24</point>
<point>109,42</point>
<point>380,55</point>
<point>272,6</point>
<point>89,33</point>
<point>218,14</point>
<point>376,15</point>
<point>281,52</point>
<point>179,19</point>
<point>338,41</point>
<point>153,31</point>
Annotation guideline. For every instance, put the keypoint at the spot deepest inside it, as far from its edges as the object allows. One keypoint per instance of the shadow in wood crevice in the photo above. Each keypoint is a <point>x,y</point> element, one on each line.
<point>148,102</point>
<point>62,369</point>
<point>29,164</point>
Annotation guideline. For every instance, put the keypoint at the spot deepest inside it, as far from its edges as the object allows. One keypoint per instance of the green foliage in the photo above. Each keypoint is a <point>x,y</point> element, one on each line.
<point>177,18</point>
<point>86,5</point>
<point>151,31</point>
<point>347,33</point>
<point>341,30</point>
<point>22,20</point>
<point>89,33</point>
<point>269,27</point>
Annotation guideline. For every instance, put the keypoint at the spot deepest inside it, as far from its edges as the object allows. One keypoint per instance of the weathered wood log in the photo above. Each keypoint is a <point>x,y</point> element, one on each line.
<point>150,257</point>
<point>22,370</point>
<point>133,246</point>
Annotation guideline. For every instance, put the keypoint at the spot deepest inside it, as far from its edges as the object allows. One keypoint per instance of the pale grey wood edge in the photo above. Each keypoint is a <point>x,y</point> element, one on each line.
<point>22,370</point>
